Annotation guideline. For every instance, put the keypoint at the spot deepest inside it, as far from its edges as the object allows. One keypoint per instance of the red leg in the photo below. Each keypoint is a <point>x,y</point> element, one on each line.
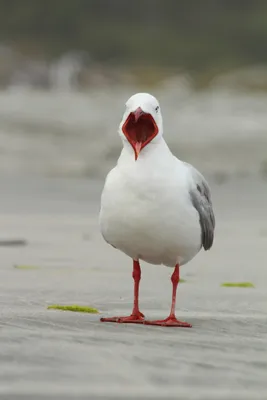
<point>172,320</point>
<point>136,317</point>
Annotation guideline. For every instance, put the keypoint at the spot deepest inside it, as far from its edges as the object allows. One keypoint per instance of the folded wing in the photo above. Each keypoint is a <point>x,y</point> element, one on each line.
<point>201,200</point>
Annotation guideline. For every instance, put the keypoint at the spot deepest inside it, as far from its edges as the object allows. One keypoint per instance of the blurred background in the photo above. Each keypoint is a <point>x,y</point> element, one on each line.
<point>67,67</point>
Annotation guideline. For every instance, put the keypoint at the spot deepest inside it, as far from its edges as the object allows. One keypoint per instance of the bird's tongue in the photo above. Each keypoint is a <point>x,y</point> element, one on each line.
<point>142,129</point>
<point>140,132</point>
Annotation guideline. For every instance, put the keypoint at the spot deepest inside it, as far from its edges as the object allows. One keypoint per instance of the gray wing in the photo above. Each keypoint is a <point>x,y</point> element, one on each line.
<point>201,200</point>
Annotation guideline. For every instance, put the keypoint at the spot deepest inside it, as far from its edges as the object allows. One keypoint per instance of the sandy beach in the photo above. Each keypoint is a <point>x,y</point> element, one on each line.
<point>54,354</point>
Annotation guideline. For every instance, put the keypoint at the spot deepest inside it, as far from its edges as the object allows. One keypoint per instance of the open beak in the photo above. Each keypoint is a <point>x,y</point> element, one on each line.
<point>139,129</point>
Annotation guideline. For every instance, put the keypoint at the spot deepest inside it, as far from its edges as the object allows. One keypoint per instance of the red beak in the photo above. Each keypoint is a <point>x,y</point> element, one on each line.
<point>138,145</point>
<point>137,114</point>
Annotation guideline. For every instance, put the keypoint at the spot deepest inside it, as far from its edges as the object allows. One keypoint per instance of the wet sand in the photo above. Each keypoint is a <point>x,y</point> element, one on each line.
<point>61,355</point>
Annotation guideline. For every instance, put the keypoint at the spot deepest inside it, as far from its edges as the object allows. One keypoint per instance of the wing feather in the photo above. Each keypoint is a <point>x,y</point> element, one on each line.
<point>201,200</point>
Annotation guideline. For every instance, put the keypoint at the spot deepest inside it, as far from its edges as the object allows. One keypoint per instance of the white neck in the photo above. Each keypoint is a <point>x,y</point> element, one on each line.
<point>153,152</point>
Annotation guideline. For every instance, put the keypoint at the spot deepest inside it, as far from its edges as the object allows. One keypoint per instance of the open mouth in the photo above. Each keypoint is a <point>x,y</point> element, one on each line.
<point>139,129</point>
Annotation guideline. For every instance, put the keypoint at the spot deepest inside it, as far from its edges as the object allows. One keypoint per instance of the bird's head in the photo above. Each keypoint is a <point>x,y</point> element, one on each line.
<point>142,122</point>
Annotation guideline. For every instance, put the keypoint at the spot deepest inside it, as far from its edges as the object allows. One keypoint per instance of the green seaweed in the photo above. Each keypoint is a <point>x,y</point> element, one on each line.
<point>182,280</point>
<point>73,308</point>
<point>26,267</point>
<point>238,284</point>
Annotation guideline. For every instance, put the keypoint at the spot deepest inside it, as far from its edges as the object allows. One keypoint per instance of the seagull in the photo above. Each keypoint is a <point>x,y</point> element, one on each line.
<point>154,207</point>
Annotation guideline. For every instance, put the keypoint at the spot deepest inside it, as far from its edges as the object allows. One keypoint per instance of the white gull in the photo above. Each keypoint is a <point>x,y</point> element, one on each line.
<point>154,207</point>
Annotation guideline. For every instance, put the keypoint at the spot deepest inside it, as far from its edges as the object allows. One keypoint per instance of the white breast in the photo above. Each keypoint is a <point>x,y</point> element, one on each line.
<point>146,210</point>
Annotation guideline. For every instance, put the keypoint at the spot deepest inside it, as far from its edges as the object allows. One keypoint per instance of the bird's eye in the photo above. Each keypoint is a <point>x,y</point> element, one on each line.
<point>157,109</point>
